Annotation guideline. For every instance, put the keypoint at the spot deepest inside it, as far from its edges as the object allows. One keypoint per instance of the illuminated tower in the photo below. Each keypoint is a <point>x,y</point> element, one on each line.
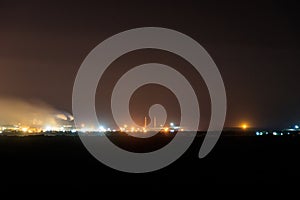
<point>145,125</point>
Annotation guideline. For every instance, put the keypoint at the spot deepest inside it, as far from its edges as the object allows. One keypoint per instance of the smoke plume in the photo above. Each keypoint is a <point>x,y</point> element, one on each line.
<point>31,113</point>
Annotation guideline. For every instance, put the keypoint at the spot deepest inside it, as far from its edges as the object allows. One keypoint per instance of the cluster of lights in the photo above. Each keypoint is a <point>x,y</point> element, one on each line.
<point>290,131</point>
<point>36,130</point>
<point>274,133</point>
<point>84,129</point>
<point>132,129</point>
<point>172,128</point>
<point>19,128</point>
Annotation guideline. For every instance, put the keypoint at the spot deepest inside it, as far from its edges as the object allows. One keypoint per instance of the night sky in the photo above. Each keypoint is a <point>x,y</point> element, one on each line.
<point>255,46</point>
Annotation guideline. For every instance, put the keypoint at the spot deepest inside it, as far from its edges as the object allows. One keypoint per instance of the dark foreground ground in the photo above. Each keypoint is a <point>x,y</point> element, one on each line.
<point>64,160</point>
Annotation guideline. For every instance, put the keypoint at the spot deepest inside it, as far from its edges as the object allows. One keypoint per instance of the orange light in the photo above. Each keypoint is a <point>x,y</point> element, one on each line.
<point>166,129</point>
<point>244,126</point>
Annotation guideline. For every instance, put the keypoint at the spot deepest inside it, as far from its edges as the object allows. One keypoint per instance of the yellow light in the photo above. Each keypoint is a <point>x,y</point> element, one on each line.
<point>244,126</point>
<point>166,129</point>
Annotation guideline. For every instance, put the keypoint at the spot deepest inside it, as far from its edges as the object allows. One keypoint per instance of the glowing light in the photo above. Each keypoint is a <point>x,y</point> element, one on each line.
<point>24,130</point>
<point>171,124</point>
<point>244,126</point>
<point>1,132</point>
<point>48,128</point>
<point>296,127</point>
<point>166,129</point>
<point>257,133</point>
<point>102,129</point>
<point>73,131</point>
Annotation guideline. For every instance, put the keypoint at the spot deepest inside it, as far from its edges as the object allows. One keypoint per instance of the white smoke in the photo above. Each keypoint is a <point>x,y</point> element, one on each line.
<point>15,111</point>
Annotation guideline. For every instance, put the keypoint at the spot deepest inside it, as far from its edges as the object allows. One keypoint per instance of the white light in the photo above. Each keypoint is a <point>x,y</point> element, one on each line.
<point>48,128</point>
<point>24,129</point>
<point>274,133</point>
<point>171,124</point>
<point>257,133</point>
<point>296,127</point>
<point>102,129</point>
<point>73,130</point>
<point>0,131</point>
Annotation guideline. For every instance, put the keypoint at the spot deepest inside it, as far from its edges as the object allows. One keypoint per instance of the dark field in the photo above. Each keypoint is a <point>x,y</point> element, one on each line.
<point>64,160</point>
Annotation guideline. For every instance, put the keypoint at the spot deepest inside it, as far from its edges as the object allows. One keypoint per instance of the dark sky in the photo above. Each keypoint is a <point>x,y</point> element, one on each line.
<point>255,44</point>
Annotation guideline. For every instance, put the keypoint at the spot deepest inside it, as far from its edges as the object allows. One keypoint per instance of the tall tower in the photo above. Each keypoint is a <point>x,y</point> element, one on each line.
<point>145,125</point>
